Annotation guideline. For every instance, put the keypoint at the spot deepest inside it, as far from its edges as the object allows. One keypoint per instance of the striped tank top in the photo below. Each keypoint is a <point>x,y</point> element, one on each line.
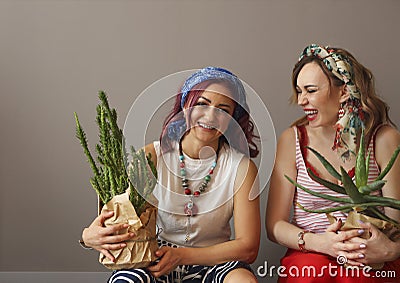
<point>318,222</point>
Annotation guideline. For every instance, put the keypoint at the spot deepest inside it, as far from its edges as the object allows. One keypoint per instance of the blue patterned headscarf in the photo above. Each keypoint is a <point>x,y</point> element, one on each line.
<point>213,73</point>
<point>177,128</point>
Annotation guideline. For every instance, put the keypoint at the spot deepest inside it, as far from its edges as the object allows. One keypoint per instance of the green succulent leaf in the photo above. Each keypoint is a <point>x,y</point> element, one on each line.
<point>384,201</point>
<point>350,187</point>
<point>334,187</point>
<point>358,191</point>
<point>382,215</point>
<point>376,185</point>
<point>321,195</point>
<point>326,164</point>
<point>344,208</point>
<point>361,169</point>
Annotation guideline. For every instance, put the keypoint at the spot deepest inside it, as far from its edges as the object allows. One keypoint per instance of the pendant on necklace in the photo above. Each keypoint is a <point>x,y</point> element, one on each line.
<point>190,209</point>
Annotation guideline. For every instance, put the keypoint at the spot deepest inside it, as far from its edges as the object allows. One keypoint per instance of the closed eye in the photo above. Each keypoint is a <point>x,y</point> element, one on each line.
<point>203,104</point>
<point>200,103</point>
<point>223,109</point>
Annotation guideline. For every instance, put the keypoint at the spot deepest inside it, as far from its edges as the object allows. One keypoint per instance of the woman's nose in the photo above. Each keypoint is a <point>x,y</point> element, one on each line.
<point>302,99</point>
<point>210,112</point>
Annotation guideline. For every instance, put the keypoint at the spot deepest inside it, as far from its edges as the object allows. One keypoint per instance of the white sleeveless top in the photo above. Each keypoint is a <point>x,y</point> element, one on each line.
<point>215,205</point>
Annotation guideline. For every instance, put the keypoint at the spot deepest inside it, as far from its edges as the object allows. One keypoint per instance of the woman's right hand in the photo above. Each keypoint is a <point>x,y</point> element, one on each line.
<point>103,238</point>
<point>336,243</point>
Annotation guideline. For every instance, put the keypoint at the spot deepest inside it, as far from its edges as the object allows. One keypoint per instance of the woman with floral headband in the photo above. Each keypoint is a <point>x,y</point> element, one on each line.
<point>338,97</point>
<point>205,176</point>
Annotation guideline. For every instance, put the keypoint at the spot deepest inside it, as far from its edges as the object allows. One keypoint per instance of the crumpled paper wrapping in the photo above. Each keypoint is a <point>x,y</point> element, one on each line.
<point>140,250</point>
<point>352,222</point>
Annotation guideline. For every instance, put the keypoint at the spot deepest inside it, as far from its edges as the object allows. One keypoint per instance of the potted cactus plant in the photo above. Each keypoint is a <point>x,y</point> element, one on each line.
<point>123,182</point>
<point>360,204</point>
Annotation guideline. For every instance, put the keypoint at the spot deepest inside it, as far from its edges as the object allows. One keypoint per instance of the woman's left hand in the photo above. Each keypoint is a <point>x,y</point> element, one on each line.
<point>379,248</point>
<point>170,258</point>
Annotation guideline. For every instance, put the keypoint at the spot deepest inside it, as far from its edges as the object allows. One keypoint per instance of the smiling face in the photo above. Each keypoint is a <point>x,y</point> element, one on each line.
<point>319,99</point>
<point>212,113</point>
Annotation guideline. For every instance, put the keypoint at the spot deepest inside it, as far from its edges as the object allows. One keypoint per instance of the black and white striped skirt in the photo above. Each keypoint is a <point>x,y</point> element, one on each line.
<point>183,273</point>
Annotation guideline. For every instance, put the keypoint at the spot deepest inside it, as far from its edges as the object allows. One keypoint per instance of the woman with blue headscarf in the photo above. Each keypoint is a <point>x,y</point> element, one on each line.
<point>205,176</point>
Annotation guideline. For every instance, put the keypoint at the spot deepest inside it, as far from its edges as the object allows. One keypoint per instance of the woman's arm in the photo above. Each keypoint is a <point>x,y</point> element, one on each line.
<point>280,201</point>
<point>247,231</point>
<point>281,193</point>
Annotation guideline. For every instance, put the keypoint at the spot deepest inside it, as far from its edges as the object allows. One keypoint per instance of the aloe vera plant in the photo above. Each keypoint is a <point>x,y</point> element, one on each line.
<point>358,192</point>
<point>111,176</point>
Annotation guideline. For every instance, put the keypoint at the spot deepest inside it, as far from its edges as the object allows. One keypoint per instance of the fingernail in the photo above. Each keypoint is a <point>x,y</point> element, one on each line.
<point>363,246</point>
<point>360,221</point>
<point>361,256</point>
<point>131,234</point>
<point>361,231</point>
<point>362,264</point>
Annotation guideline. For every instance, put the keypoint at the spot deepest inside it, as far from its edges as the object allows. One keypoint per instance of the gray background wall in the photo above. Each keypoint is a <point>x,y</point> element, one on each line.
<point>55,56</point>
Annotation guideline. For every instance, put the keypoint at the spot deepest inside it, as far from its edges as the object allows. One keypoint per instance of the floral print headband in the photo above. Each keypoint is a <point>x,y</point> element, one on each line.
<point>351,115</point>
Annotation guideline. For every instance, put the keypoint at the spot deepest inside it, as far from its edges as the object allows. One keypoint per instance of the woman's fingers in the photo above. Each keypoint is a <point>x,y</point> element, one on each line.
<point>334,227</point>
<point>105,239</point>
<point>112,247</point>
<point>347,235</point>
<point>109,237</point>
<point>107,254</point>
<point>354,246</point>
<point>115,229</point>
<point>169,259</point>
<point>355,263</point>
<point>104,215</point>
<point>114,239</point>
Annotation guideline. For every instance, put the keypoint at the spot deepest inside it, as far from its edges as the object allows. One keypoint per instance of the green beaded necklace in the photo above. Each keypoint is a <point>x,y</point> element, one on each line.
<point>190,209</point>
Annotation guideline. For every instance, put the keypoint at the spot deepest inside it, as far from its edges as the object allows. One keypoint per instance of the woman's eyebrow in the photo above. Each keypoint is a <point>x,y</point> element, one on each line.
<point>221,104</point>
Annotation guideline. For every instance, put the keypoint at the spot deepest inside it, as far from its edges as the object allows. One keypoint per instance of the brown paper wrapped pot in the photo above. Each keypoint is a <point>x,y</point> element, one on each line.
<point>139,251</point>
